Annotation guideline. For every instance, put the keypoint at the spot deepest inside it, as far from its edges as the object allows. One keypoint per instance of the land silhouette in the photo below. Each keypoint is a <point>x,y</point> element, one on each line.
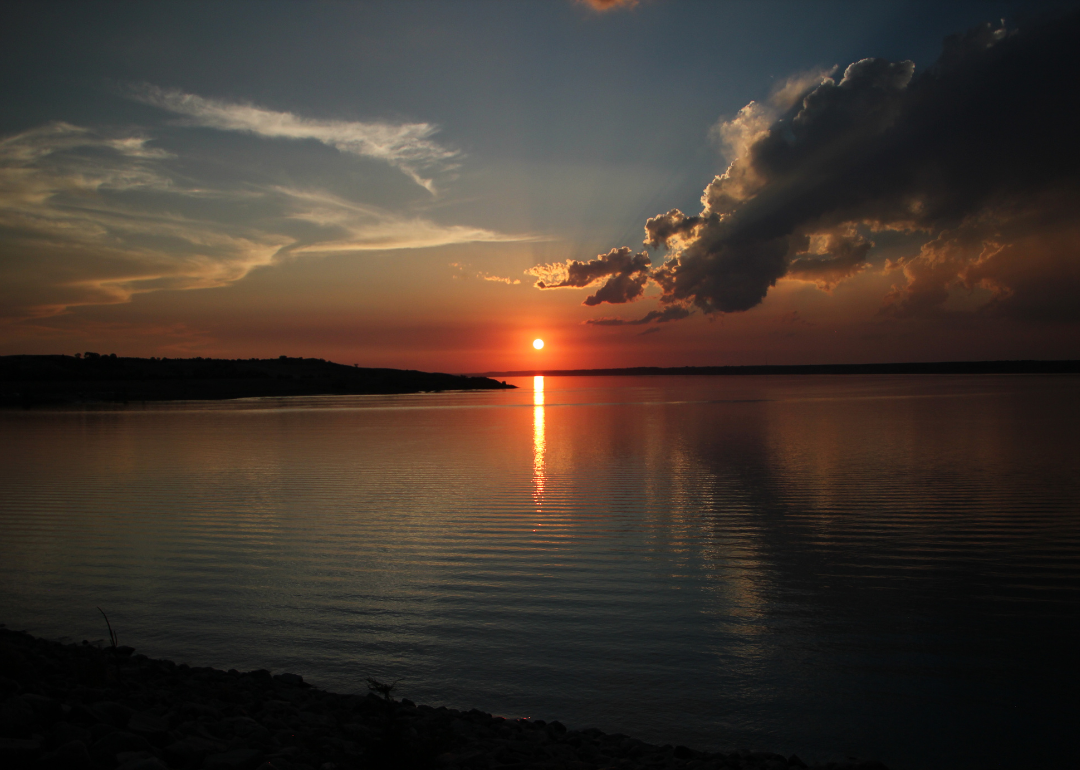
<point>29,380</point>
<point>933,367</point>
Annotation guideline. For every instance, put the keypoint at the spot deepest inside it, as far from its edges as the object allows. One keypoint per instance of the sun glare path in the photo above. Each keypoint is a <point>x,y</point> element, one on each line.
<point>538,344</point>
<point>539,443</point>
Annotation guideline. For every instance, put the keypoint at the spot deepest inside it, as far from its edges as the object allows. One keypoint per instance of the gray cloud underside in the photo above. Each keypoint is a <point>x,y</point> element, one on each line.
<point>623,272</point>
<point>669,313</point>
<point>89,218</point>
<point>979,154</point>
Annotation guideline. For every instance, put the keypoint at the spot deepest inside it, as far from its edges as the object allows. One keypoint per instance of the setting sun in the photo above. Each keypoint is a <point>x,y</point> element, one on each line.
<point>538,344</point>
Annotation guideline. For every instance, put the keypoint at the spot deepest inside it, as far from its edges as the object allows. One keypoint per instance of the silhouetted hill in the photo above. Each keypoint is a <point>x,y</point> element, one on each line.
<point>33,380</point>
<point>937,367</point>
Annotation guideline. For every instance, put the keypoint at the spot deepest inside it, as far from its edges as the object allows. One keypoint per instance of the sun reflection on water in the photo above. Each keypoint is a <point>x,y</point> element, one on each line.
<point>539,442</point>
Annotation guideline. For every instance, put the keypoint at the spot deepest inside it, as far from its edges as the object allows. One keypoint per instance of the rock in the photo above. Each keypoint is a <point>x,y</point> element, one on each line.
<point>16,716</point>
<point>314,719</point>
<point>182,753</point>
<point>18,750</point>
<point>99,730</point>
<point>294,680</point>
<point>82,715</point>
<point>106,749</point>
<point>248,728</point>
<point>65,732</point>
<point>9,687</point>
<point>148,724</point>
<point>869,764</point>
<point>794,761</point>
<point>142,763</point>
<point>44,708</point>
<point>115,714</point>
<point>684,752</point>
<point>70,754</point>
<point>235,759</point>
<point>123,757</point>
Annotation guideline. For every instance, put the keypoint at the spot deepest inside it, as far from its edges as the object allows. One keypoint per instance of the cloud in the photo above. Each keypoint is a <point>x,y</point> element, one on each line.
<point>626,274</point>
<point>669,313</point>
<point>462,271</point>
<point>831,257</point>
<point>976,157</point>
<point>405,146</point>
<point>608,5</point>
<point>500,279</point>
<point>1025,258</point>
<point>793,318</point>
<point>88,217</point>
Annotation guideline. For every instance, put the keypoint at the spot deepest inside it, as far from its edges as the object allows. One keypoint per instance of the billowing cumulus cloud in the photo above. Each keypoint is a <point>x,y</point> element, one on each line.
<point>976,157</point>
<point>90,218</point>
<point>406,146</point>
<point>624,275</point>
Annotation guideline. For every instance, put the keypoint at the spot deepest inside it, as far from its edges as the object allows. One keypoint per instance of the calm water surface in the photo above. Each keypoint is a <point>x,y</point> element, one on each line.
<point>871,566</point>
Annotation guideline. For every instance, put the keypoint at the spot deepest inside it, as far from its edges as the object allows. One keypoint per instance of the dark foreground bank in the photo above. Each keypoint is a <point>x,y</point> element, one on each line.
<point>81,706</point>
<point>44,380</point>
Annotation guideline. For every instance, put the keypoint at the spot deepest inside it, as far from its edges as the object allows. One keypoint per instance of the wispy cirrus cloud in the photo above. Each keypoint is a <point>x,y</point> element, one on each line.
<point>406,146</point>
<point>463,271</point>
<point>90,218</point>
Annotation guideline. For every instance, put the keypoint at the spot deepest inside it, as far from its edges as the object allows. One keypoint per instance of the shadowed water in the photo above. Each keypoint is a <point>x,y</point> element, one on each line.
<point>872,566</point>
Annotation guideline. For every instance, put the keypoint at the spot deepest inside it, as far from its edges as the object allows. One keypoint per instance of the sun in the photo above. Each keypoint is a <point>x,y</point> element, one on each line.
<point>538,344</point>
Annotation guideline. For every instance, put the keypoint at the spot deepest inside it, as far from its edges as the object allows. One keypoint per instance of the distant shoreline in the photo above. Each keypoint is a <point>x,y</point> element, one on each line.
<point>29,381</point>
<point>948,367</point>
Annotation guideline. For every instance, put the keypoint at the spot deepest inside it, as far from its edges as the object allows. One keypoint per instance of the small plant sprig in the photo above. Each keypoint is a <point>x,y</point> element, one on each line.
<point>383,689</point>
<point>113,640</point>
<point>112,634</point>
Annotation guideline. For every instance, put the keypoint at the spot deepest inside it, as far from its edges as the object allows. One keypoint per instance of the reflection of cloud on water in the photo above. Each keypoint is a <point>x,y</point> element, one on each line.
<point>724,547</point>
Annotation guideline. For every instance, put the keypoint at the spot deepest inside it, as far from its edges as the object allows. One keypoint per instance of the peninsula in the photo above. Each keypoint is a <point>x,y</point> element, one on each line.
<point>49,380</point>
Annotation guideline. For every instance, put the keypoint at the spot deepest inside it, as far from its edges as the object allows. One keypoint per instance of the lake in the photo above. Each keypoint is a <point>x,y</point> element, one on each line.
<point>873,566</point>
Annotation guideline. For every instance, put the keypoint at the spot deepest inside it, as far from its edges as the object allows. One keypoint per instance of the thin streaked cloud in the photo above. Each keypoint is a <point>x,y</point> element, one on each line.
<point>405,146</point>
<point>97,218</point>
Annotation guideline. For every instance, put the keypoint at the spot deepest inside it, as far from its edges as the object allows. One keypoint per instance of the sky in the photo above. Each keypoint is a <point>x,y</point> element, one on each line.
<point>433,186</point>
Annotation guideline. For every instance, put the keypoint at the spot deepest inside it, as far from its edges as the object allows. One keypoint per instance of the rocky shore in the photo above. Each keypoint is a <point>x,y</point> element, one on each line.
<point>91,706</point>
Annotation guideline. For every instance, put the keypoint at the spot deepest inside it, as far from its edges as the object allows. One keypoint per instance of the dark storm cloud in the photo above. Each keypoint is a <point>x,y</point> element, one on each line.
<point>979,153</point>
<point>625,271</point>
<point>845,254</point>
